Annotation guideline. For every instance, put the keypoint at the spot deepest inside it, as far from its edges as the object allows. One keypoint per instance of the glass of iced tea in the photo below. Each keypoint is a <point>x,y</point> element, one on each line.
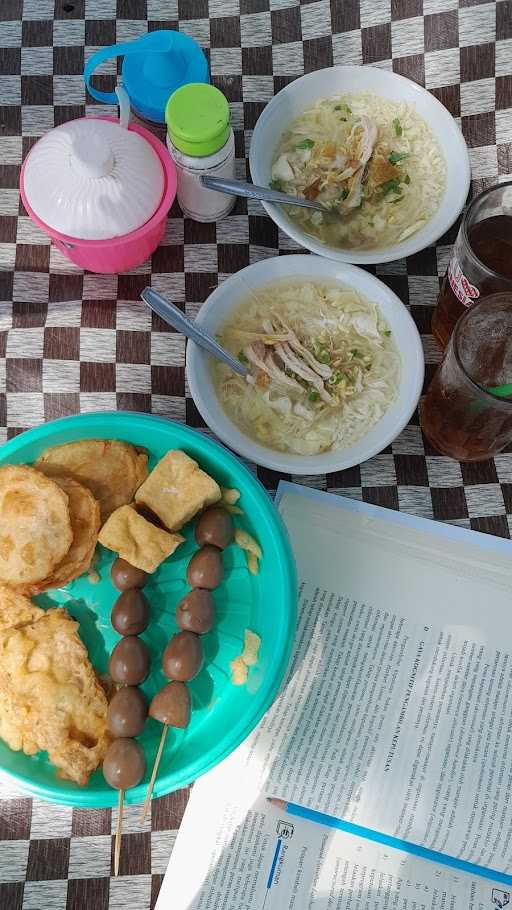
<point>481,262</point>
<point>460,415</point>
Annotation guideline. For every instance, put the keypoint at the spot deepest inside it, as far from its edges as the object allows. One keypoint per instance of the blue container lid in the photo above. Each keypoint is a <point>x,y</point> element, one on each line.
<point>154,66</point>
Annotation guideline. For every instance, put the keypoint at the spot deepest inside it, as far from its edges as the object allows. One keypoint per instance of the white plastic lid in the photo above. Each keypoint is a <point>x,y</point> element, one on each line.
<point>92,179</point>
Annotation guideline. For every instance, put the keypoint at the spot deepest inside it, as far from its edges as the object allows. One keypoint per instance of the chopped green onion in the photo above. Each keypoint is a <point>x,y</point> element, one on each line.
<point>390,186</point>
<point>407,179</point>
<point>276,185</point>
<point>336,378</point>
<point>323,356</point>
<point>242,358</point>
<point>305,144</point>
<point>398,127</point>
<point>356,353</point>
<point>395,157</point>
<point>313,395</point>
<point>387,333</point>
<point>344,193</point>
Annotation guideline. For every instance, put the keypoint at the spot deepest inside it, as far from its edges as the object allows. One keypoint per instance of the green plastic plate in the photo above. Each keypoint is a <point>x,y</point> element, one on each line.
<point>223,714</point>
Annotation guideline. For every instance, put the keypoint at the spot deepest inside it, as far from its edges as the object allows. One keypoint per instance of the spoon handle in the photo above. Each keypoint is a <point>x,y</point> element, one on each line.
<point>173,316</point>
<point>250,191</point>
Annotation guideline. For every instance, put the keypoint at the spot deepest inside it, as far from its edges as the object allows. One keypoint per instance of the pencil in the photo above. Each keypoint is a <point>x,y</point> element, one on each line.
<point>330,821</point>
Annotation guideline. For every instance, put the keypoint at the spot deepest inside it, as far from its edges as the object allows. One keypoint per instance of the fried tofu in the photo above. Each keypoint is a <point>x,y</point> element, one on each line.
<point>177,489</point>
<point>50,697</point>
<point>137,540</point>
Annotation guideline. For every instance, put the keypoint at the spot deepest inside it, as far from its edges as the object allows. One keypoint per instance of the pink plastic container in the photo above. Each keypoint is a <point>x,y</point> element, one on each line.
<point>117,254</point>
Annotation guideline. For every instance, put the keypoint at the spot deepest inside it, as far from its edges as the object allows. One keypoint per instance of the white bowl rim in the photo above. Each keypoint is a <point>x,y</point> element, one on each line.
<point>339,459</point>
<point>421,239</point>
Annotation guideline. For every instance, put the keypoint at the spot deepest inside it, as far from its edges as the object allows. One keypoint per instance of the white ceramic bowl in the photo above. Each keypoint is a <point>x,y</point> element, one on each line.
<point>295,98</point>
<point>231,293</point>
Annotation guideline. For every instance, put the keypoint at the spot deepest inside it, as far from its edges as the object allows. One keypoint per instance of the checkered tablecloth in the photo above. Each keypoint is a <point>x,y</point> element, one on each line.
<point>71,342</point>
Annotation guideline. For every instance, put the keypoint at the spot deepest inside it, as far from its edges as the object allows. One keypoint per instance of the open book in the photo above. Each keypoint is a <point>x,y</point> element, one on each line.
<point>395,717</point>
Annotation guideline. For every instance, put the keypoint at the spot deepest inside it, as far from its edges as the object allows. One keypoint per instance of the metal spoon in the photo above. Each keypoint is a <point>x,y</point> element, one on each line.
<point>263,193</point>
<point>173,316</point>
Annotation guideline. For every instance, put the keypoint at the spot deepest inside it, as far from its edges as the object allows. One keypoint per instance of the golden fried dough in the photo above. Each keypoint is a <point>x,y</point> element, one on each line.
<point>177,489</point>
<point>35,527</point>
<point>84,512</point>
<point>16,610</point>
<point>50,698</point>
<point>111,469</point>
<point>138,541</point>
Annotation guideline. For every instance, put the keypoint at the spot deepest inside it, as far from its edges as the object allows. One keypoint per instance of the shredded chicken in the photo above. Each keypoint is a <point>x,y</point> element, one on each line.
<point>367,141</point>
<point>322,369</point>
<point>293,363</point>
<point>261,358</point>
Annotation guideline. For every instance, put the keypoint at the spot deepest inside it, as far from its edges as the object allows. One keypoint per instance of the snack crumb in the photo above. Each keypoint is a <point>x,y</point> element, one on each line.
<point>92,573</point>
<point>252,644</point>
<point>246,542</point>
<point>229,496</point>
<point>238,671</point>
<point>252,563</point>
<point>249,656</point>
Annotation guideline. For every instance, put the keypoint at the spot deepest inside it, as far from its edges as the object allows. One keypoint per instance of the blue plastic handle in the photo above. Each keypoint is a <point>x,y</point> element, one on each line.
<point>154,42</point>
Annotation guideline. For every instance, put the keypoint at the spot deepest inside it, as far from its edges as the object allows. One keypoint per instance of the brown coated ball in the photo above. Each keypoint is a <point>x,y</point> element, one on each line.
<point>205,569</point>
<point>130,613</point>
<point>183,657</point>
<point>171,705</point>
<point>127,712</point>
<point>129,661</point>
<point>124,764</point>
<point>125,576</point>
<point>196,611</point>
<point>215,526</point>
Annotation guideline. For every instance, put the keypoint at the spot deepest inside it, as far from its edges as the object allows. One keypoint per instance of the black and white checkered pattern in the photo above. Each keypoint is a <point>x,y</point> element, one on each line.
<point>71,342</point>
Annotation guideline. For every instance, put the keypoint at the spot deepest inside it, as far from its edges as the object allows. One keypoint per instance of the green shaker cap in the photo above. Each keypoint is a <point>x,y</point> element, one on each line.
<point>197,117</point>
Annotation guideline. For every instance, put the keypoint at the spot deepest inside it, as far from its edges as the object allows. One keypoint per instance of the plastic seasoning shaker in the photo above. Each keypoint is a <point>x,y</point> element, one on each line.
<point>201,141</point>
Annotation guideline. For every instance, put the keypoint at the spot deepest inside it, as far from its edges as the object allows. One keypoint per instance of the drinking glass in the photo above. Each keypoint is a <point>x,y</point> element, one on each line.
<point>481,262</point>
<point>460,416</point>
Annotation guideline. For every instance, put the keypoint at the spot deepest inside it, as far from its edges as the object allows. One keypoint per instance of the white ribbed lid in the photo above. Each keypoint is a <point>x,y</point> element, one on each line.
<point>93,180</point>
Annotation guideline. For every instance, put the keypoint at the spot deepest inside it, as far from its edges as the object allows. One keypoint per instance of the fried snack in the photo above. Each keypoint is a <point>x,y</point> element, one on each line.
<point>16,610</point>
<point>111,469</point>
<point>136,540</point>
<point>239,671</point>
<point>177,489</point>
<point>252,643</point>
<point>249,656</point>
<point>84,512</point>
<point>35,527</point>
<point>50,698</point>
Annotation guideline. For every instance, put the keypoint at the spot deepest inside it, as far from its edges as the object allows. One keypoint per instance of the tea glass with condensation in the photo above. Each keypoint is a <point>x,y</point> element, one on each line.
<point>460,415</point>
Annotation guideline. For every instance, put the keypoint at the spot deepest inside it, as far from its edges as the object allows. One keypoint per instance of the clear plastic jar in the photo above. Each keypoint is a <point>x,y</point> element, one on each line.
<point>197,201</point>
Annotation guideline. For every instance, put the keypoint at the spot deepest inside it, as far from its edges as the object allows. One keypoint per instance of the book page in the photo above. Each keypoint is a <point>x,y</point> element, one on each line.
<point>396,713</point>
<point>235,851</point>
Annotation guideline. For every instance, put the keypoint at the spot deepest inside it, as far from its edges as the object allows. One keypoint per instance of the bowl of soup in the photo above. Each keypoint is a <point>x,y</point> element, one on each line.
<point>384,158</point>
<point>334,364</point>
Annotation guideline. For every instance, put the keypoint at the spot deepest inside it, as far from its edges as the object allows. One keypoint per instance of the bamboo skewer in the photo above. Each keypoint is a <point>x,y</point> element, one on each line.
<point>149,794</point>
<point>119,831</point>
